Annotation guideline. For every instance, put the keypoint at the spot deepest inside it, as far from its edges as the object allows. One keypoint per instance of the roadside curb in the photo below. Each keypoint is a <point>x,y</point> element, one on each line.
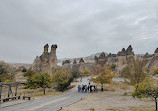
<point>14,104</point>
<point>71,103</point>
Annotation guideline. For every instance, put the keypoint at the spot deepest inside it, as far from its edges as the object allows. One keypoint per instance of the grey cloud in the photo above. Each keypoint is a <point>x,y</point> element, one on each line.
<point>80,28</point>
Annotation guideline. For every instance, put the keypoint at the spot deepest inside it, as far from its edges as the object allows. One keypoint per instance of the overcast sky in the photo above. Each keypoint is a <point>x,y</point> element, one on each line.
<point>79,27</point>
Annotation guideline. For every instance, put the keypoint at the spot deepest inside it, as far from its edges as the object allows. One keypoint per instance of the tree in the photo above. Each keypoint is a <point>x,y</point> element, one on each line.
<point>61,79</point>
<point>156,71</point>
<point>134,72</point>
<point>6,72</point>
<point>86,71</point>
<point>41,80</point>
<point>75,72</point>
<point>24,70</point>
<point>148,88</point>
<point>29,73</point>
<point>113,66</point>
<point>6,78</point>
<point>5,68</point>
<point>102,75</point>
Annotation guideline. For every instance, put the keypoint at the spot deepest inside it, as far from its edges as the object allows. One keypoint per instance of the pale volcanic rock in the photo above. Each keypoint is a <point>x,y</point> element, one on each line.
<point>47,62</point>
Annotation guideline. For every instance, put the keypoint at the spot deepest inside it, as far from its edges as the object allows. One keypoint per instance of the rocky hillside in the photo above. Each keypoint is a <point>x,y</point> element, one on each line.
<point>16,65</point>
<point>88,59</point>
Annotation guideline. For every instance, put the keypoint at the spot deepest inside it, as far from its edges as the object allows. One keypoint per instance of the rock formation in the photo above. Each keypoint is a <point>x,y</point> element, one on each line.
<point>120,59</point>
<point>129,51</point>
<point>81,61</point>
<point>156,52</point>
<point>122,53</point>
<point>75,65</point>
<point>153,62</point>
<point>111,59</point>
<point>96,59</point>
<point>66,64</point>
<point>81,65</point>
<point>102,59</point>
<point>47,62</point>
<point>75,62</point>
<point>146,55</point>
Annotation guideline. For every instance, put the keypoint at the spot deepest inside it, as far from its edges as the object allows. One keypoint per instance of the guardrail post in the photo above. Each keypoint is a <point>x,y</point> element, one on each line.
<point>16,89</point>
<point>8,91</point>
<point>0,93</point>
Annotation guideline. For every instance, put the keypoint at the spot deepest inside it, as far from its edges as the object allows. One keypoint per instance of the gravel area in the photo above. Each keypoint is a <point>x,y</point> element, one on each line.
<point>113,99</point>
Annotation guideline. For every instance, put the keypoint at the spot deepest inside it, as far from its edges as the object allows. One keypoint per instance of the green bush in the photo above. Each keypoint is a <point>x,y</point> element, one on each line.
<point>5,68</point>
<point>29,73</point>
<point>41,80</point>
<point>156,71</point>
<point>75,73</point>
<point>6,72</point>
<point>61,80</point>
<point>135,72</point>
<point>24,70</point>
<point>6,78</point>
<point>113,66</point>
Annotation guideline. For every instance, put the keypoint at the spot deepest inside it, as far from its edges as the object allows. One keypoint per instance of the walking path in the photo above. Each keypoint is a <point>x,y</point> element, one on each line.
<point>49,103</point>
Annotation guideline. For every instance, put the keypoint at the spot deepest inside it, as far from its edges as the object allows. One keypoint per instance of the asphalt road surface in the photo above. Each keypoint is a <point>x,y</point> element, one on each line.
<point>49,103</point>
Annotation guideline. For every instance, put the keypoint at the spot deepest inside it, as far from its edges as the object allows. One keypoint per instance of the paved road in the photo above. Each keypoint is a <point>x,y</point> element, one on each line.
<point>49,103</point>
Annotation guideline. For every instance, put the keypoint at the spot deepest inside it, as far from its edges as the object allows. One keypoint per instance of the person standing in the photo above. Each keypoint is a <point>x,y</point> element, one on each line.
<point>79,88</point>
<point>86,88</point>
<point>96,88</point>
<point>81,80</point>
<point>89,82</point>
<point>92,88</point>
<point>83,87</point>
<point>102,88</point>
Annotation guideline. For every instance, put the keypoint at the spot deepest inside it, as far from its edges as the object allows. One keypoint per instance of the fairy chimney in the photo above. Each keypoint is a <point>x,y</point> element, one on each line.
<point>47,62</point>
<point>156,52</point>
<point>46,48</point>
<point>102,59</point>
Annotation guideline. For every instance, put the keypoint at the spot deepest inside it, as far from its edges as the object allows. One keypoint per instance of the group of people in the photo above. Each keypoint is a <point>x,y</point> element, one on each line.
<point>87,88</point>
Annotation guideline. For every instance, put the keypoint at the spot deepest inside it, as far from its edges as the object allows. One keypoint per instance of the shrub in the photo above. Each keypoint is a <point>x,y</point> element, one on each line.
<point>5,68</point>
<point>41,80</point>
<point>147,89</point>
<point>6,72</point>
<point>113,66</point>
<point>29,73</point>
<point>135,72</point>
<point>61,79</point>
<point>24,70</point>
<point>75,73</point>
<point>156,71</point>
<point>6,78</point>
<point>102,75</point>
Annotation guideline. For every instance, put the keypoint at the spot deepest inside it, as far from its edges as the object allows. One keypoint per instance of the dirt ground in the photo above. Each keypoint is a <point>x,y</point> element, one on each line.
<point>113,99</point>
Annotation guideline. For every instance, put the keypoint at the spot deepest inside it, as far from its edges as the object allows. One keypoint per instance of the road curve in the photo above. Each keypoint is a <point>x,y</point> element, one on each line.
<point>49,103</point>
